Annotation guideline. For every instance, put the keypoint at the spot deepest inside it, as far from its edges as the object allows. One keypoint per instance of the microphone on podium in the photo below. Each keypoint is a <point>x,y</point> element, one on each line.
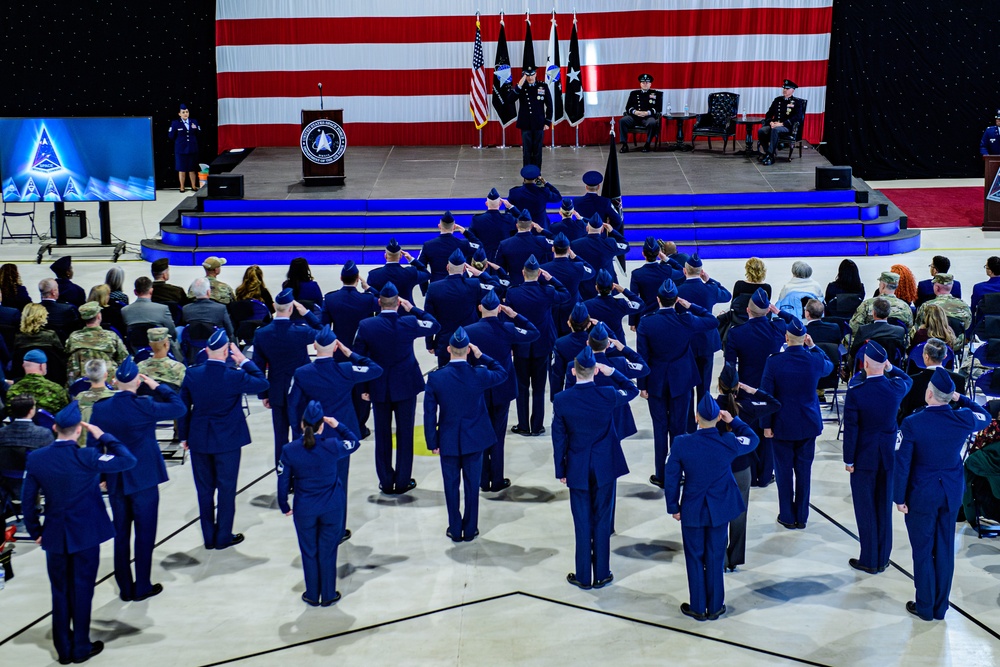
<point>320,85</point>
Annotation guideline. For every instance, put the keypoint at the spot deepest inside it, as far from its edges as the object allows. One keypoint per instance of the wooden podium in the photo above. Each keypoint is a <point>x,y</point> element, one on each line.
<point>991,209</point>
<point>323,143</point>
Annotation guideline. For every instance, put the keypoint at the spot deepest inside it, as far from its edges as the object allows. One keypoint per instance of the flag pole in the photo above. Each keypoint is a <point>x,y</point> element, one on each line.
<point>577,142</point>
<point>553,129</point>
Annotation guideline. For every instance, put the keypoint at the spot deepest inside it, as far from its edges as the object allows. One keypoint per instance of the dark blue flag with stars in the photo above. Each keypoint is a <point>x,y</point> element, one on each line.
<point>503,96</point>
<point>574,82</point>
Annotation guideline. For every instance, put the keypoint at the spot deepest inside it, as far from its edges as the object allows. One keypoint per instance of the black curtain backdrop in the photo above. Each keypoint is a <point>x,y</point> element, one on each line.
<point>113,58</point>
<point>912,85</point>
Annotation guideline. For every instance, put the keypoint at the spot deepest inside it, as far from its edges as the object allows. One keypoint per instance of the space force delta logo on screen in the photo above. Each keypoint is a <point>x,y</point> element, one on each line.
<point>323,141</point>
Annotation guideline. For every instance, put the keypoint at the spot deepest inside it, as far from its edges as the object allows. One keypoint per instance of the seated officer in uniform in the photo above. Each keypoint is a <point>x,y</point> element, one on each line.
<point>990,143</point>
<point>784,112</point>
<point>642,111</point>
<point>69,292</point>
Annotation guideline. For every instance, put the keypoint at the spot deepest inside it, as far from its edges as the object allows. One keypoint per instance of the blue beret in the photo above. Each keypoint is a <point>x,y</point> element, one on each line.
<point>491,301</point>
<point>729,376</point>
<point>760,299</point>
<point>525,214</point>
<point>531,264</point>
<point>389,290</point>
<point>313,414</point>
<point>694,261</point>
<point>494,195</point>
<point>593,178</point>
<point>668,290</point>
<point>456,258</point>
<point>586,358</point>
<point>942,381</point>
<point>69,416</point>
<point>459,338</point>
<point>579,314</point>
<point>650,244</point>
<point>567,204</point>
<point>479,255</point>
<point>604,278</point>
<point>447,217</point>
<point>285,297</point>
<point>530,172</point>
<point>599,332</point>
<point>127,370</point>
<point>393,246</point>
<point>326,336</point>
<point>708,409</point>
<point>795,327</point>
<point>218,340</point>
<point>875,352</point>
<point>595,221</point>
<point>61,264</point>
<point>350,269</point>
<point>36,357</point>
<point>560,242</point>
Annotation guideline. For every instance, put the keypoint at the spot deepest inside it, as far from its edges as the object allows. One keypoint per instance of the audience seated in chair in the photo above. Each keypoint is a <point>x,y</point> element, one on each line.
<point>204,309</point>
<point>92,342</point>
<point>934,354</point>
<point>146,311</point>
<point>160,366</point>
<point>48,395</point>
<point>96,374</point>
<point>62,317</point>
<point>16,440</point>
<point>889,336</point>
<point>925,288</point>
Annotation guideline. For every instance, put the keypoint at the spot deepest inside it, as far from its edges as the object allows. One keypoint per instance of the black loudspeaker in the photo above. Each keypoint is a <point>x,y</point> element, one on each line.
<point>833,178</point>
<point>76,224</point>
<point>225,186</point>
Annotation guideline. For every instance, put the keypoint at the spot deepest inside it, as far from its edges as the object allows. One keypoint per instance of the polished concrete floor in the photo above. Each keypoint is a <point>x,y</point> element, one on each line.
<point>412,597</point>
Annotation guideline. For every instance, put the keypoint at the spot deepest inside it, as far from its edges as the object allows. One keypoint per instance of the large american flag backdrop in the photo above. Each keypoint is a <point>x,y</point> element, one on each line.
<point>400,68</point>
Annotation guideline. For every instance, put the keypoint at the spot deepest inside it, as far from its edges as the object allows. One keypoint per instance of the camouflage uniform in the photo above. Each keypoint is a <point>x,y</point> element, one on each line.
<point>93,343</point>
<point>951,305</point>
<point>221,292</point>
<point>897,308</point>
<point>48,395</point>
<point>163,370</point>
<point>86,399</point>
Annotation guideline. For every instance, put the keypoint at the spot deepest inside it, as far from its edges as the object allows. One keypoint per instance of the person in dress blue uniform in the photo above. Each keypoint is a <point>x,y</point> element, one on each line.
<point>928,487</point>
<point>748,348</point>
<point>534,114</point>
<point>529,240</point>
<point>870,409</point>
<point>311,463</point>
<point>214,429</point>
<point>76,523</point>
<point>664,340</point>
<point>791,377</point>
<point>494,225</point>
<point>436,251</point>
<point>69,292</point>
<point>457,427</point>
<point>278,349</point>
<point>570,270</point>
<point>454,302</point>
<point>646,279</point>
<point>642,113</point>
<point>334,384</point>
<point>706,292</point>
<point>569,223</point>
<point>535,299</point>
<point>491,272</point>
<point>990,143</point>
<point>184,132</point>
<point>785,111</point>
<point>591,202</point>
<point>607,308</point>
<point>588,460</point>
<point>534,194</point>
<point>711,500</point>
<point>496,338</point>
<point>134,495</point>
<point>388,340</point>
<point>599,248</point>
<point>925,288</point>
<point>567,346</point>
<point>405,278</point>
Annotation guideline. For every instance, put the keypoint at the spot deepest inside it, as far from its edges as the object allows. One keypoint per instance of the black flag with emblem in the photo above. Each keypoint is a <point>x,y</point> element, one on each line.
<point>503,96</point>
<point>574,82</point>
<point>528,60</point>
<point>612,188</point>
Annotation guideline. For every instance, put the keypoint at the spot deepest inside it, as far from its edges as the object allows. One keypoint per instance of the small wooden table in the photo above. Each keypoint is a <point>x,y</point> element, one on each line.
<point>680,117</point>
<point>748,122</point>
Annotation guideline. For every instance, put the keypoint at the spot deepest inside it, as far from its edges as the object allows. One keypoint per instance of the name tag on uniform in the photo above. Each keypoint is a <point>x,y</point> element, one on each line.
<point>106,457</point>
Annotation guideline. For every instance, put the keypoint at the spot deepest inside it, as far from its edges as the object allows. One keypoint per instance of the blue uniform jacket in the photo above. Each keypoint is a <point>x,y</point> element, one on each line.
<point>929,460</point>
<point>279,348</point>
<point>185,138</point>
<point>571,273</point>
<point>344,309</point>
<point>70,476</point>
<point>388,340</point>
<point>599,250</point>
<point>584,441</point>
<point>592,203</point>
<point>404,277</point>
<point>711,497</point>
<point>632,366</point>
<point>71,293</point>
<point>330,382</point>
<point>663,339</point>
<point>454,303</point>
<point>706,295</point>
<point>925,290</point>
<point>455,416</point>
<point>564,350</point>
<point>213,395</point>
<point>493,226</point>
<point>133,420</point>
<point>646,281</point>
<point>515,251</point>
<point>496,338</point>
<point>753,408</point>
<point>535,199</point>
<point>573,229</point>
<point>534,106</point>
<point>791,377</point>
<point>315,471</point>
<point>870,410</point>
<point>611,310</point>
<point>979,290</point>
<point>436,251</point>
<point>749,345</point>
<point>535,300</point>
<point>990,143</point>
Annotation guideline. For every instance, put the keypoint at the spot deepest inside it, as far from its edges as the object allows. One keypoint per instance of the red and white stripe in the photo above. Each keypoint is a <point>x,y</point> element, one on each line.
<point>477,96</point>
<point>400,70</point>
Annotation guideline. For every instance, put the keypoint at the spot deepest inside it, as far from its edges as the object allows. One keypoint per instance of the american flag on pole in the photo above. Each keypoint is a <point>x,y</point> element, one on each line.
<point>477,98</point>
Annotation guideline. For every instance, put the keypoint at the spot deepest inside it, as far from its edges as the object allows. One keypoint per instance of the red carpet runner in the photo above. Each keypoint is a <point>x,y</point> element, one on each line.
<point>929,208</point>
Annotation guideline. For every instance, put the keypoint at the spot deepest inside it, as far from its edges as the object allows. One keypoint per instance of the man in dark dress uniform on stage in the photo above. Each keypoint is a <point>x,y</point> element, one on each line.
<point>642,111</point>
<point>534,114</point>
<point>785,111</point>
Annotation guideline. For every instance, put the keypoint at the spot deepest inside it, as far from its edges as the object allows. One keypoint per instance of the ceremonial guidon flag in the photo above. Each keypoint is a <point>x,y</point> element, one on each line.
<point>553,73</point>
<point>612,188</point>
<point>477,98</point>
<point>503,96</point>
<point>528,59</point>
<point>574,82</point>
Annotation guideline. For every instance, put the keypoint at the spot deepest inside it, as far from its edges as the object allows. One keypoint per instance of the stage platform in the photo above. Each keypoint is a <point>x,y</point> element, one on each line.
<point>720,205</point>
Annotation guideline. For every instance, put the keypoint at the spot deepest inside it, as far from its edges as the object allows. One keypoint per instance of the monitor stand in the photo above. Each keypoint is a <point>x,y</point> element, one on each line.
<point>103,213</point>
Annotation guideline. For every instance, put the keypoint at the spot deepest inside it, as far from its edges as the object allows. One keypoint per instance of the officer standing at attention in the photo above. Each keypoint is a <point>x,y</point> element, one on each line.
<point>494,225</point>
<point>134,495</point>
<point>642,111</point>
<point>785,112</point>
<point>530,239</point>
<point>706,292</point>
<point>496,339</point>
<point>711,500</point>
<point>566,347</point>
<point>607,308</point>
<point>69,292</point>
<point>534,194</point>
<point>570,222</point>
<point>646,279</point>
<point>535,300</point>
<point>591,202</point>
<point>278,349</point>
<point>869,452</point>
<point>534,114</point>
<point>311,462</point>
<point>588,460</point>
<point>664,339</point>
<point>388,340</point>
<point>599,248</point>
<point>76,523</point>
<point>436,251</point>
<point>405,278</point>
<point>184,132</point>
<point>457,426</point>
<point>791,377</point>
<point>990,143</point>
<point>929,485</point>
<point>215,429</point>
<point>454,302</point>
<point>571,271</point>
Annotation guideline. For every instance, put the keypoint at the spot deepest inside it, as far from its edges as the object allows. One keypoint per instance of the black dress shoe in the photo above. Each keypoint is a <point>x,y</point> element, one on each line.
<point>505,484</point>
<point>645,148</point>
<point>387,491</point>
<point>365,432</point>
<point>152,593</point>
<point>656,481</point>
<point>237,539</point>
<point>800,526</point>
<point>623,149</point>
<point>311,603</point>
<point>604,582</point>
<point>469,539</point>
<point>452,537</point>
<point>789,526</point>
<point>95,648</point>
<point>346,536</point>
<point>335,600</point>
<point>65,661</point>
<point>520,431</point>
<point>571,578</point>
<point>716,615</point>
<point>911,607</point>
<point>124,598</point>
<point>537,433</point>
<point>688,611</point>
<point>856,564</point>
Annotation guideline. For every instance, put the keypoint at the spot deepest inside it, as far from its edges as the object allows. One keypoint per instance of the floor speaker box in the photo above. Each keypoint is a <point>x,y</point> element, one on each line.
<point>225,186</point>
<point>76,224</point>
<point>833,178</point>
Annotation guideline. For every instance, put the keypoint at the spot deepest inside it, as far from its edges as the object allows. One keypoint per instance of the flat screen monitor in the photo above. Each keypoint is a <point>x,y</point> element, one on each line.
<point>76,159</point>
